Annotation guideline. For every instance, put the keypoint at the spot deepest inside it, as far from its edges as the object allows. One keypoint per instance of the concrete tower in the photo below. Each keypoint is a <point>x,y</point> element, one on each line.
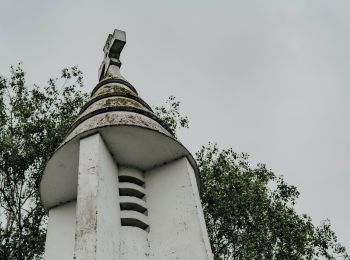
<point>120,186</point>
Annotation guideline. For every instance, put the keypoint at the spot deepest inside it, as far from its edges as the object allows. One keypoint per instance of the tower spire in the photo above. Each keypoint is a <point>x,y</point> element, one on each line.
<point>121,186</point>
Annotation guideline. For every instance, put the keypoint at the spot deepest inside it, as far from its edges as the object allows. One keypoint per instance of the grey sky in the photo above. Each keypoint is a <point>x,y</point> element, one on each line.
<point>270,78</point>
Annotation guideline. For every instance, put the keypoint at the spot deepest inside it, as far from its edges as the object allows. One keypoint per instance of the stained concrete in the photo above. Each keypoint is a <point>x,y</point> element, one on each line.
<point>135,185</point>
<point>61,232</point>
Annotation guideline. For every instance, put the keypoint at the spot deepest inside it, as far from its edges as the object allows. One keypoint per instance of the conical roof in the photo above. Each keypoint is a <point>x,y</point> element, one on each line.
<point>135,136</point>
<point>115,94</point>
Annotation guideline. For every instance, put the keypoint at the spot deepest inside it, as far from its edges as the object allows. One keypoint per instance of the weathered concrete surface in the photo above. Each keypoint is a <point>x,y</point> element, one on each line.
<point>134,146</point>
<point>112,49</point>
<point>98,213</point>
<point>59,184</point>
<point>116,118</point>
<point>133,133</point>
<point>177,228</point>
<point>150,211</point>
<point>134,245</point>
<point>131,174</point>
<point>60,233</point>
<point>165,199</point>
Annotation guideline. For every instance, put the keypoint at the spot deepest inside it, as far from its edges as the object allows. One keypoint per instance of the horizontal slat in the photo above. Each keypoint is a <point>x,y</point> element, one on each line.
<point>134,219</point>
<point>131,189</point>
<point>132,203</point>
<point>131,175</point>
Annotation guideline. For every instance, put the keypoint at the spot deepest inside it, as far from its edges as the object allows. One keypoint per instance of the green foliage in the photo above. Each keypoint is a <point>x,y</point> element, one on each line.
<point>249,212</point>
<point>33,122</point>
<point>171,116</point>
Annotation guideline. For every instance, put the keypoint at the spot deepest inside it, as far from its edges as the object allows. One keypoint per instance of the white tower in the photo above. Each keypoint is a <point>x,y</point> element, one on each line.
<point>120,186</point>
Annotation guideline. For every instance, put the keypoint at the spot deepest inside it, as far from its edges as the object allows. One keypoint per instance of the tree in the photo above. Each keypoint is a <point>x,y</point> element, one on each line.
<point>248,210</point>
<point>33,122</point>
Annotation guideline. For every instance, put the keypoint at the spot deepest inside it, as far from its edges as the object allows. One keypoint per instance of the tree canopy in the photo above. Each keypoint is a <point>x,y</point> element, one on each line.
<point>249,210</point>
<point>33,122</point>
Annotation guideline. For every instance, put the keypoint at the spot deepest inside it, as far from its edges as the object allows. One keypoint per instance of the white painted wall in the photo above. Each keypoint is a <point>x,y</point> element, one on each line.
<point>60,233</point>
<point>98,216</point>
<point>134,244</point>
<point>90,229</point>
<point>177,229</point>
<point>108,222</point>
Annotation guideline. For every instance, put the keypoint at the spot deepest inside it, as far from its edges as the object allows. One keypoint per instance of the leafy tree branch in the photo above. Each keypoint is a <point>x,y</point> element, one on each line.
<point>33,122</point>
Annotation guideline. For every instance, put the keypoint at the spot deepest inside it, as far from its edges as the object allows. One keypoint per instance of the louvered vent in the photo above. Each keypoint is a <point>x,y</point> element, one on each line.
<point>132,198</point>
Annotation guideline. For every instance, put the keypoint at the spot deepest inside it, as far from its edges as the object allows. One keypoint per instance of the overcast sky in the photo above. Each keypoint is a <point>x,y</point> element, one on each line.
<point>270,78</point>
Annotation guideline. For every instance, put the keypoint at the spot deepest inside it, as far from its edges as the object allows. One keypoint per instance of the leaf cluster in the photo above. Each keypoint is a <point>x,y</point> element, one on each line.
<point>33,122</point>
<point>250,213</point>
<point>171,116</point>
